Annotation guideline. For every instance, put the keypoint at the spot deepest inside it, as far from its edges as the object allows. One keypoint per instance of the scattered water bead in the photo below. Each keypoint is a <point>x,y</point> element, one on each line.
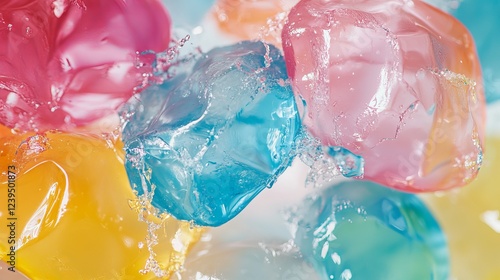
<point>470,217</point>
<point>396,82</point>
<point>67,63</point>
<point>249,261</point>
<point>481,18</point>
<point>188,13</point>
<point>253,19</point>
<point>361,230</point>
<point>210,140</point>
<point>74,214</point>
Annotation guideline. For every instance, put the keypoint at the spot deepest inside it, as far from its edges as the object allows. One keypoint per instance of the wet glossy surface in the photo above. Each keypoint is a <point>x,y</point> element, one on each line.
<point>396,82</point>
<point>361,230</point>
<point>77,217</point>
<point>67,63</point>
<point>221,133</point>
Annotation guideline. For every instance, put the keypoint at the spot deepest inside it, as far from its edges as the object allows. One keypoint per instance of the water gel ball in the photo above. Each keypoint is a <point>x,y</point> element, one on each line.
<point>75,212</point>
<point>396,82</point>
<point>67,63</point>
<point>470,217</point>
<point>206,142</point>
<point>361,230</point>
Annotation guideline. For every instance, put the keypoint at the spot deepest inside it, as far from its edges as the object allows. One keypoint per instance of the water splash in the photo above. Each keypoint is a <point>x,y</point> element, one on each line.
<point>145,211</point>
<point>166,64</point>
<point>327,162</point>
<point>155,221</point>
<point>271,32</point>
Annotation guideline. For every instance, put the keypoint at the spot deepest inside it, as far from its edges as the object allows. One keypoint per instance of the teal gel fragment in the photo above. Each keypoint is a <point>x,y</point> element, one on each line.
<point>361,230</point>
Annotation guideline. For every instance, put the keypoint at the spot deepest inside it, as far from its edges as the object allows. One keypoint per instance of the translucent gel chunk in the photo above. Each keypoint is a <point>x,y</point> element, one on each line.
<point>74,212</point>
<point>395,82</point>
<point>67,63</point>
<point>361,230</point>
<point>445,5</point>
<point>206,142</point>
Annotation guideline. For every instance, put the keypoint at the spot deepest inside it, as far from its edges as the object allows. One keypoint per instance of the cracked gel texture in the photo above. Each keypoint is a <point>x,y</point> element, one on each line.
<point>74,212</point>
<point>67,63</point>
<point>361,230</point>
<point>206,142</point>
<point>396,82</point>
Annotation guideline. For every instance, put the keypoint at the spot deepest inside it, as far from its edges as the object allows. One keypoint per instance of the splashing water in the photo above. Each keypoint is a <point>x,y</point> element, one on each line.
<point>155,221</point>
<point>327,162</point>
